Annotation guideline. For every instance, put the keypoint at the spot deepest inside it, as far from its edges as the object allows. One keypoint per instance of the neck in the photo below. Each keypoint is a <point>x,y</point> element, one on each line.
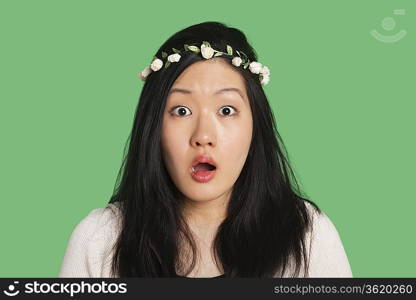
<point>203,219</point>
<point>206,214</point>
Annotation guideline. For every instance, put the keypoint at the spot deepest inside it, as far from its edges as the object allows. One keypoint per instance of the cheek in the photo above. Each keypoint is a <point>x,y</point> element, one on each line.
<point>173,145</point>
<point>236,142</point>
<point>237,136</point>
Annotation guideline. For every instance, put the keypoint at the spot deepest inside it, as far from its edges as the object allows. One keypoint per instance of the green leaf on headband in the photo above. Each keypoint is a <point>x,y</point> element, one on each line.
<point>206,44</point>
<point>219,53</point>
<point>246,65</point>
<point>176,50</point>
<point>167,64</point>
<point>238,53</point>
<point>229,50</point>
<point>164,54</point>
<point>244,55</point>
<point>194,48</point>
<point>185,47</point>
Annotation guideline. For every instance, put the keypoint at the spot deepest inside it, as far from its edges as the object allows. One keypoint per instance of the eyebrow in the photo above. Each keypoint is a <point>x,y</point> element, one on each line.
<point>230,89</point>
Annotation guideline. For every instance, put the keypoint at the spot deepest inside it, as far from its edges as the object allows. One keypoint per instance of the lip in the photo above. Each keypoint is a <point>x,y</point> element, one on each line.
<point>203,176</point>
<point>203,159</point>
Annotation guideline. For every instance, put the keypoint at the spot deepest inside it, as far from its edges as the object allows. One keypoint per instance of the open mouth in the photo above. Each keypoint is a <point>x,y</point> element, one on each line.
<point>204,171</point>
<point>203,167</point>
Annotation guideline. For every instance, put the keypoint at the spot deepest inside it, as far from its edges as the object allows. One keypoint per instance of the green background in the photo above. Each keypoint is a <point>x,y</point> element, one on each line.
<point>344,104</point>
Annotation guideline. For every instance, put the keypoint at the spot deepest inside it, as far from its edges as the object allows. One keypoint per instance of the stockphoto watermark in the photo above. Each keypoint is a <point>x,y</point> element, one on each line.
<point>70,289</point>
<point>389,24</point>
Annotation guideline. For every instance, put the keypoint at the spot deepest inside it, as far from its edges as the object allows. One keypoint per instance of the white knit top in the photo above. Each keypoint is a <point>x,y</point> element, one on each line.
<point>89,251</point>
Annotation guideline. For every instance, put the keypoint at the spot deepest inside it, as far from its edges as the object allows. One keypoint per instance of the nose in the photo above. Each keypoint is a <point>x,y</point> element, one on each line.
<point>204,133</point>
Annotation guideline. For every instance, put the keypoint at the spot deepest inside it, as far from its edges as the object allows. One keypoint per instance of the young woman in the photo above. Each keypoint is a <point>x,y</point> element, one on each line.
<point>206,188</point>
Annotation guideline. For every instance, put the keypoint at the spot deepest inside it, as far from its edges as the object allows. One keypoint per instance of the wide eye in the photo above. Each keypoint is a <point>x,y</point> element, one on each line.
<point>181,111</point>
<point>227,110</point>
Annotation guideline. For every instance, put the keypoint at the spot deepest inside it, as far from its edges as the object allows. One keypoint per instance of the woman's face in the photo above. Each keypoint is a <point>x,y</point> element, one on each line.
<point>202,118</point>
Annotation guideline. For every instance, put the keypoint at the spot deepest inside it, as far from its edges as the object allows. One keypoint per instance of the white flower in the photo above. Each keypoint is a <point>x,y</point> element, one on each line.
<point>156,64</point>
<point>265,80</point>
<point>255,67</point>
<point>207,52</point>
<point>265,71</point>
<point>236,61</point>
<point>174,57</point>
<point>143,74</point>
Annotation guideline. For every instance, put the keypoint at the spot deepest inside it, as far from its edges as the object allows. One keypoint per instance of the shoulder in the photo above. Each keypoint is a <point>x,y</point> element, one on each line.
<point>327,256</point>
<point>90,246</point>
<point>98,223</point>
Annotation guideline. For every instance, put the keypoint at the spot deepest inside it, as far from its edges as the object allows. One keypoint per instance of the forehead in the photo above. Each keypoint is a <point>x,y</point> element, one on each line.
<point>210,76</point>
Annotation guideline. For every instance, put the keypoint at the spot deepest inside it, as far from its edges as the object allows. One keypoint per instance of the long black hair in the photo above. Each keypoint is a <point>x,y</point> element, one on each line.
<point>267,218</point>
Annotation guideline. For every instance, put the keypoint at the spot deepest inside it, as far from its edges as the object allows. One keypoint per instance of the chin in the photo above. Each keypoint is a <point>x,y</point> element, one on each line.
<point>202,195</point>
<point>197,197</point>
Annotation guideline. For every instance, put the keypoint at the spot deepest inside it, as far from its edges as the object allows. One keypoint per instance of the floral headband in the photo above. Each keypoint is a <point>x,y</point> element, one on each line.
<point>207,52</point>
